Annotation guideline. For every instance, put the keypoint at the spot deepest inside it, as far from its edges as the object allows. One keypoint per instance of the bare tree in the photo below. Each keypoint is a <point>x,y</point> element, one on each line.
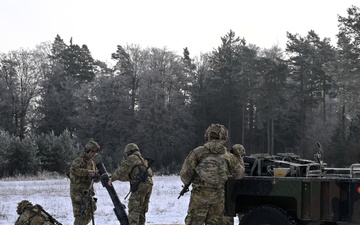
<point>20,76</point>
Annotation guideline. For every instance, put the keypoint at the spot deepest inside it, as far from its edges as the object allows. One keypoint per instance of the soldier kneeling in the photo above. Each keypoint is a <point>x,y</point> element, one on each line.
<point>30,214</point>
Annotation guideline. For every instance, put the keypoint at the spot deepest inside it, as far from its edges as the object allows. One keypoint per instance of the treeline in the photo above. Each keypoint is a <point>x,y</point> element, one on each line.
<point>36,153</point>
<point>56,97</point>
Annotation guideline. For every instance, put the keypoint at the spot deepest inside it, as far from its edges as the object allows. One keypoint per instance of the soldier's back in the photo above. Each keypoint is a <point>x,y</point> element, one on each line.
<point>33,216</point>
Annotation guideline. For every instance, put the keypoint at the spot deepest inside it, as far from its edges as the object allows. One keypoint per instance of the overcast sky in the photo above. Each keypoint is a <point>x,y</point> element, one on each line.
<point>174,24</point>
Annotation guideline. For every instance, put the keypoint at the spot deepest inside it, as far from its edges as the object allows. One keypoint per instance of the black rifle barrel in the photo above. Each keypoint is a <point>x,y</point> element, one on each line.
<point>119,208</point>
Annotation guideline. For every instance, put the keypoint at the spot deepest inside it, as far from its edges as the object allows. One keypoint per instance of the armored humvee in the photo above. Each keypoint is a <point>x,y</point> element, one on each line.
<point>284,189</point>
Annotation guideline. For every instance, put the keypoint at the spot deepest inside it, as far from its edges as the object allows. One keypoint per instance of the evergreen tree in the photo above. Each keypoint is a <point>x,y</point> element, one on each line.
<point>307,55</point>
<point>56,152</point>
<point>345,71</point>
<point>349,61</point>
<point>5,143</point>
<point>23,157</point>
<point>228,87</point>
<point>271,95</point>
<point>198,95</point>
<point>71,66</point>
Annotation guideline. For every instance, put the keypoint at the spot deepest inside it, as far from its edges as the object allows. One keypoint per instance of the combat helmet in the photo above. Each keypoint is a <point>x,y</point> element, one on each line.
<point>130,148</point>
<point>239,148</point>
<point>92,146</point>
<point>216,131</point>
<point>22,205</point>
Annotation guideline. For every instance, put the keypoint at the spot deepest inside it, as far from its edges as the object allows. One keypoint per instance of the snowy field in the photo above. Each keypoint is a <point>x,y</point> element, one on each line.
<point>53,195</point>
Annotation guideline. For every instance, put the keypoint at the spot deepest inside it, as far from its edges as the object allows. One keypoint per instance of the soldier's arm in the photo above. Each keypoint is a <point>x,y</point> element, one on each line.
<point>237,170</point>
<point>122,172</point>
<point>242,162</point>
<point>188,168</point>
<point>94,173</point>
<point>77,170</point>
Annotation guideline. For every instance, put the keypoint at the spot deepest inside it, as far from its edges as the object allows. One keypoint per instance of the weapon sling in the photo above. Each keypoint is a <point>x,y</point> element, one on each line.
<point>52,219</point>
<point>140,176</point>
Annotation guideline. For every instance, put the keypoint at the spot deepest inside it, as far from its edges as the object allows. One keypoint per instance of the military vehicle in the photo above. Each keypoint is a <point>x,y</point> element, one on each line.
<point>284,189</point>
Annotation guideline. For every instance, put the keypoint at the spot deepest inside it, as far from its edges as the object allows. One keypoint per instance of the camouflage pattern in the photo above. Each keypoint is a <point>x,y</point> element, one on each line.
<point>139,199</point>
<point>228,220</point>
<point>216,132</point>
<point>207,200</point>
<point>131,147</point>
<point>205,207</point>
<point>79,186</point>
<point>212,167</point>
<point>239,151</point>
<point>30,214</point>
<point>92,146</point>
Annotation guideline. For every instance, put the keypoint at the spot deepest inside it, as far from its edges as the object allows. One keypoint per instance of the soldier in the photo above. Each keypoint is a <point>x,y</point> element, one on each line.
<point>239,152</point>
<point>30,214</point>
<point>128,170</point>
<point>82,175</point>
<point>207,167</point>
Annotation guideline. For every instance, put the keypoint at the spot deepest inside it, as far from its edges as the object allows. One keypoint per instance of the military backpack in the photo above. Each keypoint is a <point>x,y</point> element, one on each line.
<point>213,170</point>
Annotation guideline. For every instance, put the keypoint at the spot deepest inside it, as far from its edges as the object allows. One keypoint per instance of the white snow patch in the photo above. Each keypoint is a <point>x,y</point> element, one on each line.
<point>54,196</point>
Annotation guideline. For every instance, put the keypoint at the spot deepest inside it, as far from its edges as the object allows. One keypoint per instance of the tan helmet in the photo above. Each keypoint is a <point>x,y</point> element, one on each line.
<point>131,147</point>
<point>240,149</point>
<point>216,131</point>
<point>92,146</point>
<point>22,205</point>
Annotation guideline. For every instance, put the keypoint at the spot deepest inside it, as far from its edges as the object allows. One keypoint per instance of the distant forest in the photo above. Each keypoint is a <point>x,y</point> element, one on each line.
<point>56,97</point>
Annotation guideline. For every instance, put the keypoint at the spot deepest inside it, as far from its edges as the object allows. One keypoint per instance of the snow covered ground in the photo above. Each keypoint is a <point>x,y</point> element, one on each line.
<point>53,195</point>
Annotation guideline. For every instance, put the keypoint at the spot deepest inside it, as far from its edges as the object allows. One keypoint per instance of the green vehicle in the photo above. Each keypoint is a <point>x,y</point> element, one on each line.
<point>284,189</point>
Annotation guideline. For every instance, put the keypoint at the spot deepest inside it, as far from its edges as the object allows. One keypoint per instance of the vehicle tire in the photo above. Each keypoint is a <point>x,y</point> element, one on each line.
<point>267,215</point>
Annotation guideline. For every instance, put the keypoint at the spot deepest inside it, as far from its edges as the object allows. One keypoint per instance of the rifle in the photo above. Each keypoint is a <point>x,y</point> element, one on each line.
<point>184,190</point>
<point>141,176</point>
<point>52,219</point>
<point>119,208</point>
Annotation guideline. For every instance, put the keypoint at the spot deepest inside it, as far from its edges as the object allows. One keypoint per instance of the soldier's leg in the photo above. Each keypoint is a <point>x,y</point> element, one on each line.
<point>145,205</point>
<point>81,219</point>
<point>198,208</point>
<point>81,216</point>
<point>76,201</point>
<point>77,220</point>
<point>228,220</point>
<point>89,212</point>
<point>216,210</point>
<point>135,209</point>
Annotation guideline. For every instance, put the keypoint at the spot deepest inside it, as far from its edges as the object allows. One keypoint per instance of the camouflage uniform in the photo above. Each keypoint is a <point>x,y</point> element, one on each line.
<point>30,214</point>
<point>80,182</point>
<point>126,171</point>
<point>207,198</point>
<point>239,152</point>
